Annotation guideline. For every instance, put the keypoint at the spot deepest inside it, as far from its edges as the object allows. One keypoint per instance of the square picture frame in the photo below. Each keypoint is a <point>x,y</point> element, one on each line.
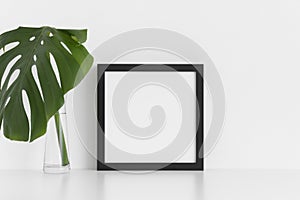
<point>108,74</point>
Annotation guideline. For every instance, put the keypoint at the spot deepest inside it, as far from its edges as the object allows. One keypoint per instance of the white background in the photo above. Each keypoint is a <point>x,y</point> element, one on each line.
<point>254,44</point>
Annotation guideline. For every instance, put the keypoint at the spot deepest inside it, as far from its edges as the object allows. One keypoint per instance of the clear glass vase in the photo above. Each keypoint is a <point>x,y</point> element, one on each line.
<point>56,157</point>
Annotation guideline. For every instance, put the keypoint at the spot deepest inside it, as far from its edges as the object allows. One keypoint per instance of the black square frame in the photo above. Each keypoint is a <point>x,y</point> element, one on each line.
<point>101,68</point>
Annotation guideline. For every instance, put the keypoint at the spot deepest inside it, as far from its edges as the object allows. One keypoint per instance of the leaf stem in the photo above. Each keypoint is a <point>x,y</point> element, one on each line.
<point>61,140</point>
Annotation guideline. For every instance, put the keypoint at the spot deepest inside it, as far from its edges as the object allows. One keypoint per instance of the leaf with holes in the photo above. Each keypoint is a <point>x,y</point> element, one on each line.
<point>40,65</point>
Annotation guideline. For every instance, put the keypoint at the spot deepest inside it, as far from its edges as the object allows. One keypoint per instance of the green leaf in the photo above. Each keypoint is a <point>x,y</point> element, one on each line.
<point>35,47</point>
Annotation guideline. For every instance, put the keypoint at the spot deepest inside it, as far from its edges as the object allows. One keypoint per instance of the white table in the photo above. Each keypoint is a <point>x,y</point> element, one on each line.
<point>211,184</point>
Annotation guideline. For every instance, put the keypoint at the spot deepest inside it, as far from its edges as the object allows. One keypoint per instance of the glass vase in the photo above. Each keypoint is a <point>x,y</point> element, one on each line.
<point>56,157</point>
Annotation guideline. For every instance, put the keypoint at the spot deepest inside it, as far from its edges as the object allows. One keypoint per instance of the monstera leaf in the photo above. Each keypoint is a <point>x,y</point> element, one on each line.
<point>34,49</point>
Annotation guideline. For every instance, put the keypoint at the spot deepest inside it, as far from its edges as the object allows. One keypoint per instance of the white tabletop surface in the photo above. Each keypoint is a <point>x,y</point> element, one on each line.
<point>211,184</point>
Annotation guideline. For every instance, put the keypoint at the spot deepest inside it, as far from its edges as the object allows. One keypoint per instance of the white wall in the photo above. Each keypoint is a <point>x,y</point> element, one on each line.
<point>254,44</point>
